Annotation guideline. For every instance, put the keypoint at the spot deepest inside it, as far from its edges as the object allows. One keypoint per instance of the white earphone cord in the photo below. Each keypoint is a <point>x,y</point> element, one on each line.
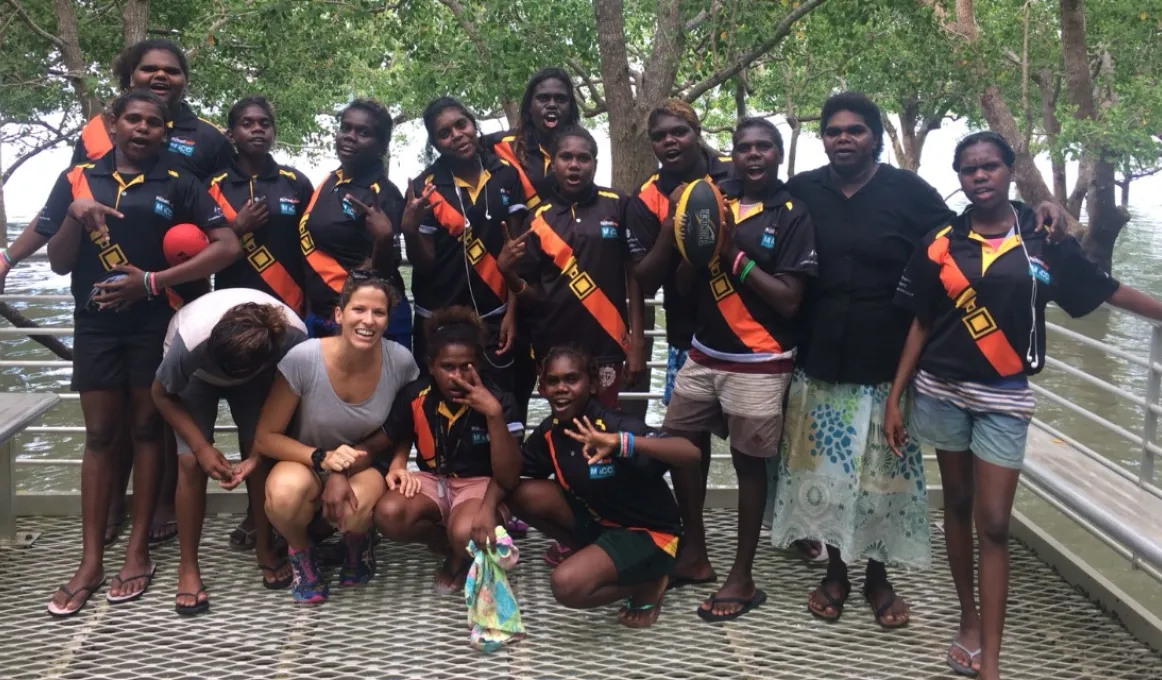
<point>464,245</point>
<point>1031,354</point>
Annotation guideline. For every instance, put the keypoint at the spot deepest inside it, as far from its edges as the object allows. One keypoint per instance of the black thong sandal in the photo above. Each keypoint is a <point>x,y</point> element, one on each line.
<point>198,607</point>
<point>835,603</point>
<point>64,612</point>
<point>880,611</point>
<point>279,584</point>
<point>708,614</point>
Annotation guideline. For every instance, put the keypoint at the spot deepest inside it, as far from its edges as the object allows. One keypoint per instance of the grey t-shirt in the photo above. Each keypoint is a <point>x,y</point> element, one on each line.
<point>325,421</point>
<point>186,357</point>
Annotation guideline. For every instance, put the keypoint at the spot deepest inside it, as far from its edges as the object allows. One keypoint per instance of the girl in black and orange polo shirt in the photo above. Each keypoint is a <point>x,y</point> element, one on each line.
<point>742,353</point>
<point>978,288</point>
<point>105,222</point>
<point>609,501</point>
<point>353,216</point>
<point>461,210</point>
<point>574,266</point>
<point>263,202</point>
<point>467,438</point>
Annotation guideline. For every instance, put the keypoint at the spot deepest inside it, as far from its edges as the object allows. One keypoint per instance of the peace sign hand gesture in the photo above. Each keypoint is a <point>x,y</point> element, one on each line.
<point>413,212</point>
<point>476,395</point>
<point>512,253</point>
<point>598,445</point>
<point>377,222</point>
<point>91,215</point>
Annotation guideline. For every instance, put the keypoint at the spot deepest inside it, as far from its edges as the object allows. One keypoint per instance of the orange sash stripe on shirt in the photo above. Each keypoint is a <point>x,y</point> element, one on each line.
<point>271,270</point>
<point>482,260</point>
<point>655,200</point>
<point>425,445</point>
<point>110,254</point>
<point>504,150</point>
<point>593,298</point>
<point>95,137</point>
<point>328,268</point>
<point>553,457</point>
<point>989,339</point>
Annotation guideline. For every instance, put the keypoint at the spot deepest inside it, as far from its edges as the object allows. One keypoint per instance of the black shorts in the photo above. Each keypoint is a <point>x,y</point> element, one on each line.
<point>201,400</point>
<point>635,555</point>
<point>116,358</point>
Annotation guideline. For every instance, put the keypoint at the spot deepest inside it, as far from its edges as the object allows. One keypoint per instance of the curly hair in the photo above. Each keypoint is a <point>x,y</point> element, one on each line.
<point>455,325</point>
<point>572,351</point>
<point>246,338</point>
<point>525,130</point>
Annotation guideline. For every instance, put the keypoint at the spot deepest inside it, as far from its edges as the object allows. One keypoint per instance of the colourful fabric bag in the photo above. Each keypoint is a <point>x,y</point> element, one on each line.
<point>493,612</point>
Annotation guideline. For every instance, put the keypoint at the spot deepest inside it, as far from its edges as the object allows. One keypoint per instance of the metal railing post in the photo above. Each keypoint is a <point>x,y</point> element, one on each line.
<point>1150,424</point>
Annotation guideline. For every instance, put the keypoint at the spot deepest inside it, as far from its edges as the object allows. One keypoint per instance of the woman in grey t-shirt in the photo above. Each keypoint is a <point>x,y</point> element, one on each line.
<point>321,423</point>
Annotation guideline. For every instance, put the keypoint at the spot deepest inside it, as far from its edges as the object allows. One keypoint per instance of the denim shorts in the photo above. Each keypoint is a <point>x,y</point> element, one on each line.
<point>675,359</point>
<point>995,438</point>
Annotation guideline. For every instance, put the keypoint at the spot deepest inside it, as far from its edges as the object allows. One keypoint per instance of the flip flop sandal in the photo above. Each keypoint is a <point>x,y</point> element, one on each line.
<point>243,539</point>
<point>148,576</point>
<point>835,603</point>
<point>959,668</point>
<point>680,582</point>
<point>441,589</point>
<point>199,606</point>
<point>279,584</point>
<point>163,533</point>
<point>708,614</point>
<point>64,612</point>
<point>630,607</point>
<point>557,554</point>
<point>879,611</point>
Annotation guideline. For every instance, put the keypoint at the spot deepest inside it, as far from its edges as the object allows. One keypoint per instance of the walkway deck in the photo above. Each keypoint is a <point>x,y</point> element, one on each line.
<point>394,627</point>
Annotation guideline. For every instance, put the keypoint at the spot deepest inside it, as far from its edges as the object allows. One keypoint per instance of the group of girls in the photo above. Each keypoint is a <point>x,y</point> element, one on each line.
<point>842,305</point>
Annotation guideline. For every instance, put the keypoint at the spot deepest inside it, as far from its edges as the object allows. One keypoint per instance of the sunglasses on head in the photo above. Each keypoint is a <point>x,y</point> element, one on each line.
<point>365,275</point>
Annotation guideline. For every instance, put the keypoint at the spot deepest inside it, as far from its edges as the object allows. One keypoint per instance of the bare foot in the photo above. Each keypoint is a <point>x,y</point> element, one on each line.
<point>827,600</point>
<point>450,578</point>
<point>643,608</point>
<point>692,567</point>
<point>965,649</point>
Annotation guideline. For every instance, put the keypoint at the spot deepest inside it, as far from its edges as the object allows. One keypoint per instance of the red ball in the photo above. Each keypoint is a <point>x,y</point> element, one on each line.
<point>183,241</point>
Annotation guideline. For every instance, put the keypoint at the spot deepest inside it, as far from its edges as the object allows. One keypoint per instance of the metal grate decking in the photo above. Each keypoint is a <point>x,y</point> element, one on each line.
<point>395,627</point>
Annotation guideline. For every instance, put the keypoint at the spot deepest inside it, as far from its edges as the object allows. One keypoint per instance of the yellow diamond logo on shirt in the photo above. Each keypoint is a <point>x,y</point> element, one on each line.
<point>582,286</point>
<point>720,287</point>
<point>980,323</point>
<point>261,259</point>
<point>307,243</point>
<point>476,251</point>
<point>113,256</point>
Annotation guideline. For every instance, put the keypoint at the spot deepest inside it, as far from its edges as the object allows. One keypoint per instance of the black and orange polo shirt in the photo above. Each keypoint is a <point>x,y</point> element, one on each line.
<point>975,296</point>
<point>467,227</point>
<point>644,216</point>
<point>273,259</point>
<point>450,440</point>
<point>532,166</point>
<point>619,493</point>
<point>735,323</point>
<point>195,146</point>
<point>333,238</point>
<point>151,202</point>
<point>577,256</point>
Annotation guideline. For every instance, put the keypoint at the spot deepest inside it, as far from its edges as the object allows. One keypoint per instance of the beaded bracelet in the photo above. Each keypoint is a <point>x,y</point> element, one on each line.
<point>523,286</point>
<point>626,445</point>
<point>153,286</point>
<point>745,270</point>
<point>737,261</point>
<point>7,259</point>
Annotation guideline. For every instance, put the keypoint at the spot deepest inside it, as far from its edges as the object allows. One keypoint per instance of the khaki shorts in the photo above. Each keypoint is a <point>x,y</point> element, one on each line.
<point>746,408</point>
<point>448,492</point>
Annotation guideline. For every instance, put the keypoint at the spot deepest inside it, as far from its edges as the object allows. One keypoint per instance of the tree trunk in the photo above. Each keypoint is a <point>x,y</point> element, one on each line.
<point>1052,127</point>
<point>1124,185</point>
<point>740,96</point>
<point>3,211</point>
<point>1106,219</point>
<point>1030,183</point>
<point>66,22</point>
<point>633,159</point>
<point>796,127</point>
<point>135,21</point>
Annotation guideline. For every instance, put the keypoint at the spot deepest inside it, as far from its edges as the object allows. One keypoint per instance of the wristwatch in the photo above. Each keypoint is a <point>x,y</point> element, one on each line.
<point>317,459</point>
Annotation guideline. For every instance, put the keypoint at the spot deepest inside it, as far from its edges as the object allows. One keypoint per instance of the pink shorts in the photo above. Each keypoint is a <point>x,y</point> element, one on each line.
<point>448,492</point>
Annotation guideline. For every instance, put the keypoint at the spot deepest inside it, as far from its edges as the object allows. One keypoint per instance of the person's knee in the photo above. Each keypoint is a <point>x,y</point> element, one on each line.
<point>146,426</point>
<point>189,469</point>
<point>285,496</point>
<point>958,502</point>
<point>391,515</point>
<point>568,586</point>
<point>102,436</point>
<point>993,528</point>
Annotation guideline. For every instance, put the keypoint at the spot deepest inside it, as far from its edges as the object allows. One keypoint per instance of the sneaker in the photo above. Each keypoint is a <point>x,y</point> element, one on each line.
<point>516,527</point>
<point>308,586</point>
<point>359,565</point>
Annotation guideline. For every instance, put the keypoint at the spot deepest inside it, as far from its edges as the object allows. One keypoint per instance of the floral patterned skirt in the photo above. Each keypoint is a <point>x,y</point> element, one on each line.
<point>837,481</point>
